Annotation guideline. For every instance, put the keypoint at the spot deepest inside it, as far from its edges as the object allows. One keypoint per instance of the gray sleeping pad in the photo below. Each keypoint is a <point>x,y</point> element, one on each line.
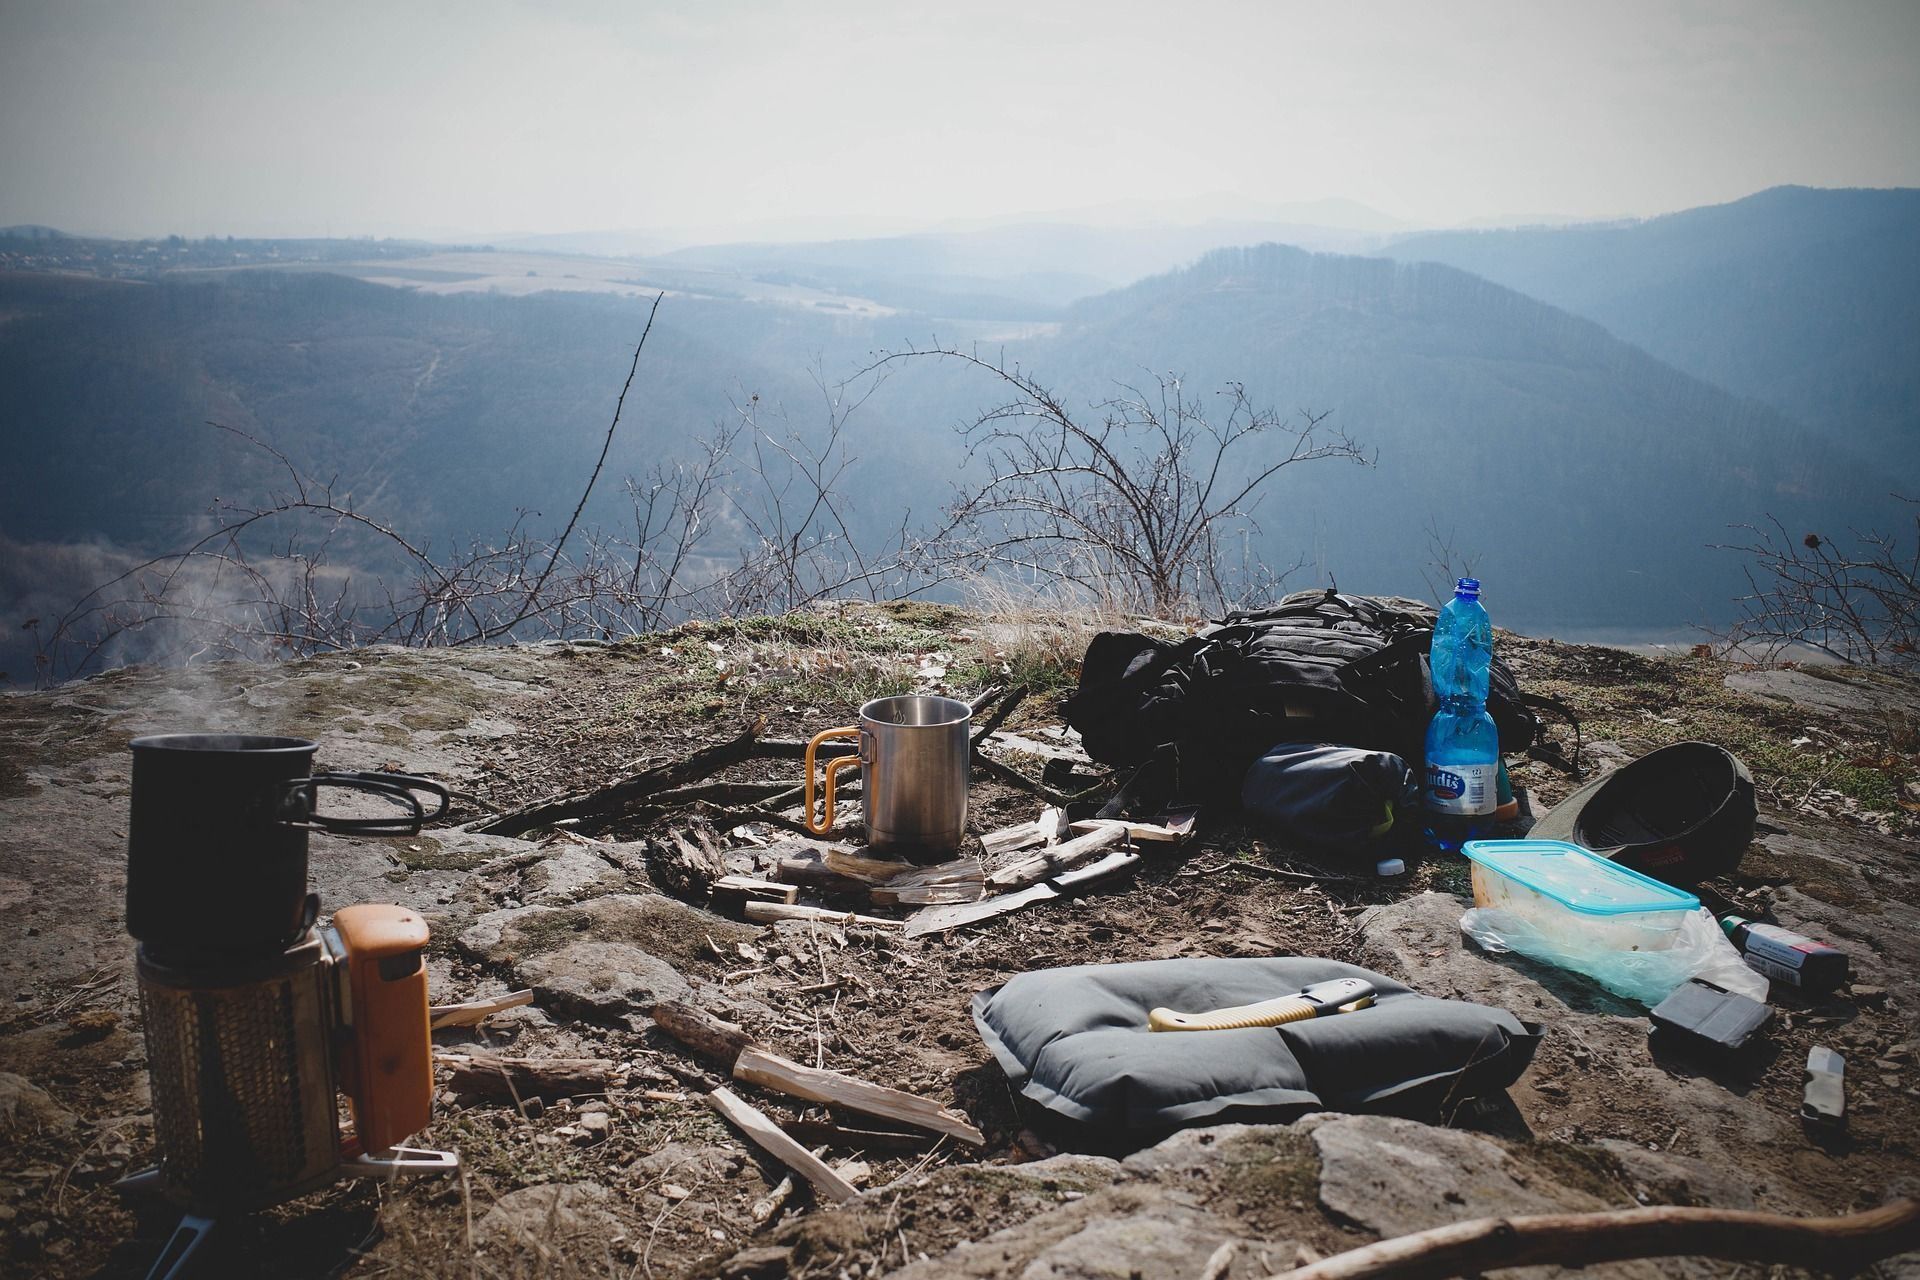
<point>1076,1041</point>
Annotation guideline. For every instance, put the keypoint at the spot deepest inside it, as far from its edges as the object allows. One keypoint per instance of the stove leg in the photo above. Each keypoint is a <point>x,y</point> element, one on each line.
<point>182,1248</point>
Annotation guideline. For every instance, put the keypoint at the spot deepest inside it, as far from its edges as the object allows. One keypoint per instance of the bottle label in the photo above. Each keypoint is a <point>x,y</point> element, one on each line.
<point>1782,946</point>
<point>1463,789</point>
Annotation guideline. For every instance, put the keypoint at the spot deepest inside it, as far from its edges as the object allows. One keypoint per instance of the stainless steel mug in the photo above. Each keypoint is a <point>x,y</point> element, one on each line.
<point>913,755</point>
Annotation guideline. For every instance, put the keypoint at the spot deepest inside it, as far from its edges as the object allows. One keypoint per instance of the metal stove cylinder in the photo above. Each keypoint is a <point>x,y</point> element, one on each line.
<point>241,1061</point>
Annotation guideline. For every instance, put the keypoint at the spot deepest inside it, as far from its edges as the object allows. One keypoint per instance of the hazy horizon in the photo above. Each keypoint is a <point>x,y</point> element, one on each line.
<point>494,120</point>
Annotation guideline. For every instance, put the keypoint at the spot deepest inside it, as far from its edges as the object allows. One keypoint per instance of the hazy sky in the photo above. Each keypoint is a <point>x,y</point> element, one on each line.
<point>488,116</point>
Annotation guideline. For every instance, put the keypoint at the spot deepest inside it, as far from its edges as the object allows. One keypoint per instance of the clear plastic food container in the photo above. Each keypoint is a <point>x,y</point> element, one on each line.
<point>1562,889</point>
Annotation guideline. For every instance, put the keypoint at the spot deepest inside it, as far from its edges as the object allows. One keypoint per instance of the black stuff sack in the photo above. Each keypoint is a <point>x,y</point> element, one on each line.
<point>1327,797</point>
<point>1076,1041</point>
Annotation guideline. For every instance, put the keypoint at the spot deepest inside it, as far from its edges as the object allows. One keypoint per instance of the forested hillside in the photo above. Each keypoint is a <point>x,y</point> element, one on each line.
<point>1583,478</point>
<point>1808,300</point>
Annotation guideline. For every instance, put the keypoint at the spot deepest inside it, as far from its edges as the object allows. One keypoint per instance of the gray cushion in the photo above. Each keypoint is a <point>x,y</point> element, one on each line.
<point>1076,1041</point>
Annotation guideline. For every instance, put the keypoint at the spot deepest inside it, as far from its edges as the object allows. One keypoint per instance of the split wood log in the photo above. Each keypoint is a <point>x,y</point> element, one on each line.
<point>771,1071</point>
<point>1171,829</point>
<point>1838,1246</point>
<point>1019,872</point>
<point>1007,839</point>
<point>896,874</point>
<point>702,1032</point>
<point>767,1135</point>
<point>939,919</point>
<point>744,889</point>
<point>811,869</point>
<point>517,1079</point>
<point>844,861</point>
<point>628,791</point>
<point>475,1011</point>
<point>769,912</point>
<point>920,895</point>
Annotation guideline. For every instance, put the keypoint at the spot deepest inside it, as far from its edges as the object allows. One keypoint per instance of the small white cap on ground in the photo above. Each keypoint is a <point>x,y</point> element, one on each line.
<point>1390,867</point>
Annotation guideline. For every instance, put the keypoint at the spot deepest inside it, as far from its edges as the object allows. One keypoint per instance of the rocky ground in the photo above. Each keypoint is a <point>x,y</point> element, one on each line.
<point>640,1179</point>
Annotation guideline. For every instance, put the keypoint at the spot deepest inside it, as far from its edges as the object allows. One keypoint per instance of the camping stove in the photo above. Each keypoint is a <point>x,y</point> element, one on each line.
<point>247,1058</point>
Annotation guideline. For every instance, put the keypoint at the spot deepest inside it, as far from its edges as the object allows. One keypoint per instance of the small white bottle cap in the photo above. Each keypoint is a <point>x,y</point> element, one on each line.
<point>1390,867</point>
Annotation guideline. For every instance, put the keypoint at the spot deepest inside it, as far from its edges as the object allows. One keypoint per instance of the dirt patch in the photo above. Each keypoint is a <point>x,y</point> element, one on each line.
<point>895,1011</point>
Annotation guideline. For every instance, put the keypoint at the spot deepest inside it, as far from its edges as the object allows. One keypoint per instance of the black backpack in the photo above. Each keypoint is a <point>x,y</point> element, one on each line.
<point>1318,667</point>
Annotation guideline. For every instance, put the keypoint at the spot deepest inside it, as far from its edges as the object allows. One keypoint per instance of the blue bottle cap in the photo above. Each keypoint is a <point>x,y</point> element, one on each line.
<point>1467,587</point>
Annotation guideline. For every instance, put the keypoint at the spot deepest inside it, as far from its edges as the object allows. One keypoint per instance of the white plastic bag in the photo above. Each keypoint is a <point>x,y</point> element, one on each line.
<point>1699,950</point>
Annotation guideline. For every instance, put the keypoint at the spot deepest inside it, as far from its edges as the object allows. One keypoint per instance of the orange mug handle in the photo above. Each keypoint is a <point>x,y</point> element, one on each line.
<point>833,767</point>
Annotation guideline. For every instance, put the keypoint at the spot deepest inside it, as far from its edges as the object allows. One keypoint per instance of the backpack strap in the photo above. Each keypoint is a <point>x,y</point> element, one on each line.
<point>1539,751</point>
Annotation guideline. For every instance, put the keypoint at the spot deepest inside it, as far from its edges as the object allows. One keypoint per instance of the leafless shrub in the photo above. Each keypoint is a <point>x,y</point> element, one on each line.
<point>1445,565</point>
<point>1859,603</point>
<point>1141,506</point>
<point>755,522</point>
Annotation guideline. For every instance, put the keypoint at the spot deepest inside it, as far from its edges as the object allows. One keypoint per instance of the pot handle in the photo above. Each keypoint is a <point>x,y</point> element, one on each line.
<point>395,786</point>
<point>825,826</point>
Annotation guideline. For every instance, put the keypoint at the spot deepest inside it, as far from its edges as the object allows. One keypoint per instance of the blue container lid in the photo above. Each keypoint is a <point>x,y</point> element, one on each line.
<point>1577,878</point>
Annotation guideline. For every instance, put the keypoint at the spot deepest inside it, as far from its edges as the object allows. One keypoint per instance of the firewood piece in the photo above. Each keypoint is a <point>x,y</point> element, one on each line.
<point>619,795</point>
<point>1008,839</point>
<point>920,895</point>
<point>516,1079</point>
<point>1021,872</point>
<point>475,1011</point>
<point>939,919</point>
<point>1172,829</point>
<point>767,1135</point>
<point>768,1205</point>
<point>743,889</point>
<point>1838,1246</point>
<point>769,912</point>
<point>771,1071</point>
<point>844,861</point>
<point>814,1133</point>
<point>702,1032</point>
<point>810,870</point>
<point>999,716</point>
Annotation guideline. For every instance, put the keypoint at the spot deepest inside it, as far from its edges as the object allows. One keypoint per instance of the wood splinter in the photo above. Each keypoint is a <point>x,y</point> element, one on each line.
<point>769,1137</point>
<point>475,1011</point>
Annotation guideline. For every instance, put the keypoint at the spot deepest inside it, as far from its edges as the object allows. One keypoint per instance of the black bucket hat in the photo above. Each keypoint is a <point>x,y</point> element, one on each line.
<point>1682,814</point>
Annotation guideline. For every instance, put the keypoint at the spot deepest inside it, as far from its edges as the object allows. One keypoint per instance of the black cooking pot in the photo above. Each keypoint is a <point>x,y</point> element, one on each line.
<point>217,840</point>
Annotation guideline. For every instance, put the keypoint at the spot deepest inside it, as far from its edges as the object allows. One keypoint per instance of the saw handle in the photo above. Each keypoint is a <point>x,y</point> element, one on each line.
<point>1342,995</point>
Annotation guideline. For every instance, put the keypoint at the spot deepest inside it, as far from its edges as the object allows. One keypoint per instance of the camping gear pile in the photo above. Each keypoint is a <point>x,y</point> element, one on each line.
<point>254,1017</point>
<point>1316,717</point>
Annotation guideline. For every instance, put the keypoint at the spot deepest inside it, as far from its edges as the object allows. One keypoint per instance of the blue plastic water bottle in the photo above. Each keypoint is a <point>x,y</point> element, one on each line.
<point>1463,747</point>
<point>1462,653</point>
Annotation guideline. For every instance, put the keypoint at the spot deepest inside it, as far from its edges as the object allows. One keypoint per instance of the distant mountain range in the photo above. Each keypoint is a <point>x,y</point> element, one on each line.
<point>1587,407</point>
<point>1807,300</point>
